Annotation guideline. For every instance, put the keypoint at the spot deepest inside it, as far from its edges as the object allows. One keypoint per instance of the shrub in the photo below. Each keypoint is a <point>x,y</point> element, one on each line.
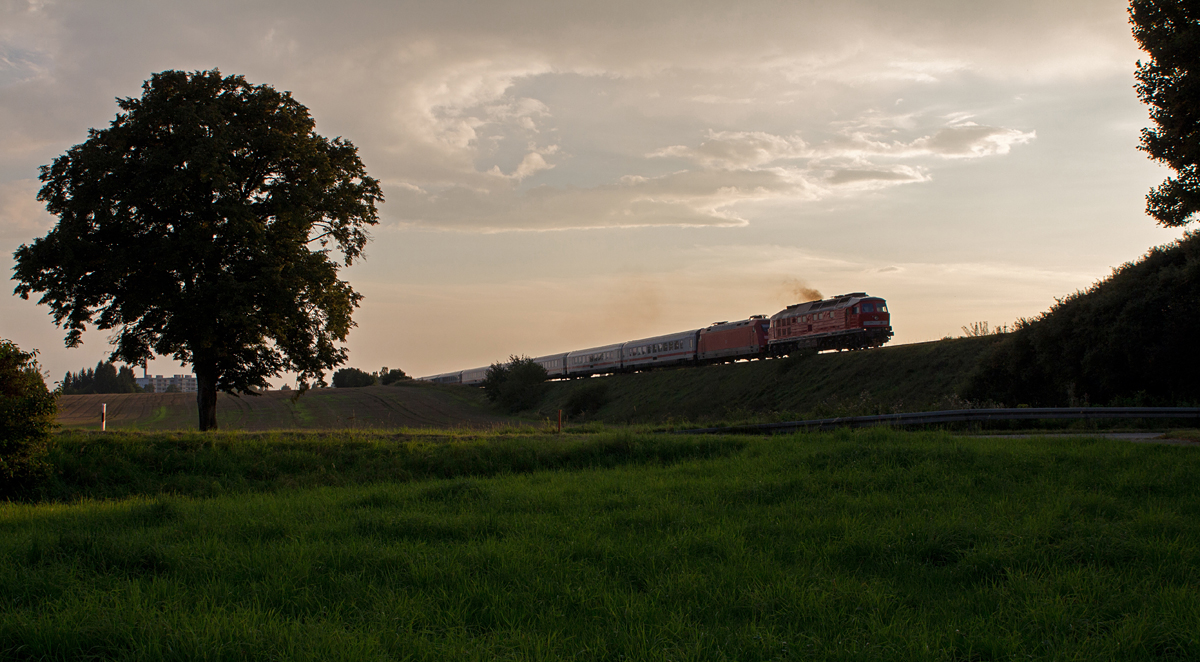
<point>587,399</point>
<point>352,378</point>
<point>392,376</point>
<point>1128,338</point>
<point>27,410</point>
<point>516,385</point>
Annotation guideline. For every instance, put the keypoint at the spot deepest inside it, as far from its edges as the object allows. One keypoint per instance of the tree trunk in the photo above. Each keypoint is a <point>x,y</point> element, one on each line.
<point>206,396</point>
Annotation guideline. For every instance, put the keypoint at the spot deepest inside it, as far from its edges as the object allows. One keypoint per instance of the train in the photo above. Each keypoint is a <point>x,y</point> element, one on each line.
<point>846,321</point>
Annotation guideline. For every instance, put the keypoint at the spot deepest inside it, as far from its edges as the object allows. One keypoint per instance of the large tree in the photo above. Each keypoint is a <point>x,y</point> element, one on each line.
<point>1169,31</point>
<point>207,222</point>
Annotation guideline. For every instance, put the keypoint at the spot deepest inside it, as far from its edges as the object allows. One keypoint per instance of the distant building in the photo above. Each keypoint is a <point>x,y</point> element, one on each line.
<point>159,384</point>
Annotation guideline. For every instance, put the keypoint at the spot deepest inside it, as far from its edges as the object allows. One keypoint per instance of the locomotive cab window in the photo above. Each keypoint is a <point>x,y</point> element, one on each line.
<point>868,307</point>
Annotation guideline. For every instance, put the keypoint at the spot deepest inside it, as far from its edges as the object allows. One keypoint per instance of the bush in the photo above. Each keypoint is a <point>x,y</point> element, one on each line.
<point>392,376</point>
<point>1128,338</point>
<point>352,378</point>
<point>27,411</point>
<point>587,399</point>
<point>517,385</point>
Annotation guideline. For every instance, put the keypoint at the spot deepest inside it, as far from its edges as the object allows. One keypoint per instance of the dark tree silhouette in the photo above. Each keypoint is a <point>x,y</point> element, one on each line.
<point>27,411</point>
<point>353,378</point>
<point>516,385</point>
<point>105,378</point>
<point>1169,31</point>
<point>200,224</point>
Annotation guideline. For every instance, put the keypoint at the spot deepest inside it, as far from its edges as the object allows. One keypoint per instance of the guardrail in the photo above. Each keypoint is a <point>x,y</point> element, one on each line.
<point>958,416</point>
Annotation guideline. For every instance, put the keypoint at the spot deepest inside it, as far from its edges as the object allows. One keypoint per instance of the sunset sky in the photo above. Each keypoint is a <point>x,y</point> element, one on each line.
<point>561,175</point>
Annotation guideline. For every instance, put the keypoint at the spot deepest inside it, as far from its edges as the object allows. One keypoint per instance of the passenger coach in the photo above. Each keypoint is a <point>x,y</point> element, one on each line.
<point>847,321</point>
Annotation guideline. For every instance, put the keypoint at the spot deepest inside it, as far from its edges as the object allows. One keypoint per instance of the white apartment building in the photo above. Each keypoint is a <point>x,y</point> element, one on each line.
<point>159,384</point>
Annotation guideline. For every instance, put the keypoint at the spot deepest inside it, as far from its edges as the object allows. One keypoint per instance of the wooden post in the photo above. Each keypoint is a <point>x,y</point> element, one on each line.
<point>103,416</point>
<point>560,421</point>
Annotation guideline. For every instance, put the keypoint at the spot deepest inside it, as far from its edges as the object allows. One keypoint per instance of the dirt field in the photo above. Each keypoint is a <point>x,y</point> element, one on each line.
<point>408,405</point>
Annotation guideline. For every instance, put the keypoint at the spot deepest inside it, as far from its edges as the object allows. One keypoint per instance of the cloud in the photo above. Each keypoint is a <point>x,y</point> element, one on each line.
<point>737,149</point>
<point>972,141</point>
<point>520,115</point>
<point>876,176</point>
<point>687,198</point>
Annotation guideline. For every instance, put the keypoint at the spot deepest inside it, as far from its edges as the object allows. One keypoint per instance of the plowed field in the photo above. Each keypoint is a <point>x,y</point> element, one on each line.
<point>408,405</point>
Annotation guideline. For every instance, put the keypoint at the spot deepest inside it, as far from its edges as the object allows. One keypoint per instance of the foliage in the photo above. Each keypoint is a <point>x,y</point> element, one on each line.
<point>517,385</point>
<point>587,400</point>
<point>1129,339</point>
<point>27,410</point>
<point>389,377</point>
<point>200,224</point>
<point>105,378</point>
<point>979,329</point>
<point>352,378</point>
<point>1169,30</point>
<point>868,545</point>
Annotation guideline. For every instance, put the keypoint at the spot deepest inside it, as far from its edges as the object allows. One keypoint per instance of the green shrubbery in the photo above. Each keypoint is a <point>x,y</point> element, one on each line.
<point>27,410</point>
<point>1130,339</point>
<point>353,377</point>
<point>517,385</point>
<point>587,400</point>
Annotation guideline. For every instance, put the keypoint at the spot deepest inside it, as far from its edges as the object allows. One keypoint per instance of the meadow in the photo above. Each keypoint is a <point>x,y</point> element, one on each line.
<point>853,545</point>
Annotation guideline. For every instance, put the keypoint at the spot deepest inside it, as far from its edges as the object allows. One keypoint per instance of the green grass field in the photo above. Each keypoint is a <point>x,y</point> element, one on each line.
<point>870,545</point>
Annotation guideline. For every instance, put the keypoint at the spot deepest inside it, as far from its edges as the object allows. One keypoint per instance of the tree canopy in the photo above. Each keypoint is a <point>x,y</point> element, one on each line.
<point>353,377</point>
<point>1169,31</point>
<point>27,411</point>
<point>516,385</point>
<point>207,223</point>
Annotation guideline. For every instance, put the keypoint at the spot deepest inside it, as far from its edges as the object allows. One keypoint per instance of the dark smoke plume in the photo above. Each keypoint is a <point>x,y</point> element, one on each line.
<point>798,291</point>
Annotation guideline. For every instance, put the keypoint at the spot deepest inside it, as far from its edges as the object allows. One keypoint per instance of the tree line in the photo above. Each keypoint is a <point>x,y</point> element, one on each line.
<point>104,378</point>
<point>355,378</point>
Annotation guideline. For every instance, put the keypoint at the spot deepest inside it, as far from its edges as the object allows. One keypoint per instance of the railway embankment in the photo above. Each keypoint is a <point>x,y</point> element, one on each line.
<point>876,381</point>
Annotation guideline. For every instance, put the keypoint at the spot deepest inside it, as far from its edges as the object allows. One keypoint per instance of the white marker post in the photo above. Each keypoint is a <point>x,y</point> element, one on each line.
<point>103,415</point>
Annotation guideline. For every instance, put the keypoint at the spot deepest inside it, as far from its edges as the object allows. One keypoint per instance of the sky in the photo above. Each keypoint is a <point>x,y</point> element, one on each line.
<point>561,175</point>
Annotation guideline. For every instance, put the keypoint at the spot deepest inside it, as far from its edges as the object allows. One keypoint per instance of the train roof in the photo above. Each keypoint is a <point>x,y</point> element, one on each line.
<point>668,336</point>
<point>430,378</point>
<point>839,301</point>
<point>722,326</point>
<point>595,350</point>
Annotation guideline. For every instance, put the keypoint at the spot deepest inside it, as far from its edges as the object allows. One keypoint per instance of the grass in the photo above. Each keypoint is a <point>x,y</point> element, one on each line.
<point>855,545</point>
<point>405,404</point>
<point>912,377</point>
<point>123,464</point>
<point>1184,434</point>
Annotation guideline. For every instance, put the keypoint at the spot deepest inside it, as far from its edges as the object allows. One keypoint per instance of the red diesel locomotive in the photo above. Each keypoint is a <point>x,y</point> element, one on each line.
<point>847,321</point>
